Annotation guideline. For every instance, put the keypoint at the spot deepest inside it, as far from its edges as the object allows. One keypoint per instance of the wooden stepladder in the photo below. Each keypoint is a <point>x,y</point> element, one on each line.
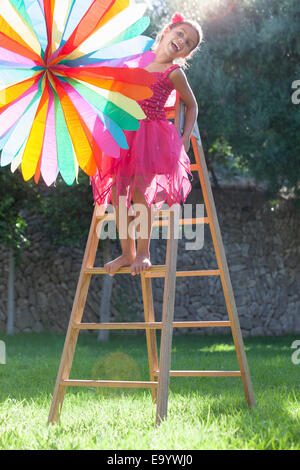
<point>159,367</point>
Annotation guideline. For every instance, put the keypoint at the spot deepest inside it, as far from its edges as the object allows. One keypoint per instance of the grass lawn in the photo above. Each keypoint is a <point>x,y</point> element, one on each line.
<point>203,413</point>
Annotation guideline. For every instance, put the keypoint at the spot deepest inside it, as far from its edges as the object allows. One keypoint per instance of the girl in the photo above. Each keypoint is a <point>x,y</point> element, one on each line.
<point>155,168</point>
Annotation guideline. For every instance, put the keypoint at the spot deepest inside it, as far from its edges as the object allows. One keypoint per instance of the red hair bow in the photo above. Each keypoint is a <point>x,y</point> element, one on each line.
<point>177,18</point>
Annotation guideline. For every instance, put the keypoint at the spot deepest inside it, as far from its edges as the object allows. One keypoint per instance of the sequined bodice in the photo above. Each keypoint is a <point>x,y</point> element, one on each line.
<point>154,107</point>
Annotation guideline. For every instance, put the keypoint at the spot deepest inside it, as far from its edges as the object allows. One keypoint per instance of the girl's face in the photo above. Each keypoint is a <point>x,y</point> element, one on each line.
<point>180,40</point>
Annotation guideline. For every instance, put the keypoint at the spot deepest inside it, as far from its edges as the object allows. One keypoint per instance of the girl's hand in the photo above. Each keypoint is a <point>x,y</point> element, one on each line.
<point>186,143</point>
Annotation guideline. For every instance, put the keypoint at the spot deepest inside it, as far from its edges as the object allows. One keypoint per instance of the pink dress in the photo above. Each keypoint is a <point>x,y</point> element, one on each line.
<point>155,162</point>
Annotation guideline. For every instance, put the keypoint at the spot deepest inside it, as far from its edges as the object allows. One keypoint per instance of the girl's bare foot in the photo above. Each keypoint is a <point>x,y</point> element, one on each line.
<point>140,264</point>
<point>113,266</point>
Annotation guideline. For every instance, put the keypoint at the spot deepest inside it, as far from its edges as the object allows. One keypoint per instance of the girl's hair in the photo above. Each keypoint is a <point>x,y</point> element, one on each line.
<point>177,20</point>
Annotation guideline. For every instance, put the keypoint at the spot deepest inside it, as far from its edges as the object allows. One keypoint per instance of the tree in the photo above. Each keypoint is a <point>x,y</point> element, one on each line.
<point>15,196</point>
<point>242,78</point>
<point>65,211</point>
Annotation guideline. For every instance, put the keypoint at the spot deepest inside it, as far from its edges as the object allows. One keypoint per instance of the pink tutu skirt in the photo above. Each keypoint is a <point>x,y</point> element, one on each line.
<point>155,163</point>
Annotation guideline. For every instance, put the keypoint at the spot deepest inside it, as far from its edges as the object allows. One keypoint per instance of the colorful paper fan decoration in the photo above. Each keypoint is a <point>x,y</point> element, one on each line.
<point>71,76</point>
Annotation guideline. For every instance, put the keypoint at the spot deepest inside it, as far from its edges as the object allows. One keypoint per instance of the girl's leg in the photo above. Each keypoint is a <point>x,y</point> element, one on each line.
<point>127,239</point>
<point>142,259</point>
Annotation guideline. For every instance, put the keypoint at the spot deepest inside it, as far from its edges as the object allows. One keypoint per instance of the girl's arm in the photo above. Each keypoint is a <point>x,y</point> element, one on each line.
<point>182,86</point>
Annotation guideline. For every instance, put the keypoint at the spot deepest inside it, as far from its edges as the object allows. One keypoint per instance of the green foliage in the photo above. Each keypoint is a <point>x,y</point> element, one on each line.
<point>63,212</point>
<point>15,196</point>
<point>66,211</point>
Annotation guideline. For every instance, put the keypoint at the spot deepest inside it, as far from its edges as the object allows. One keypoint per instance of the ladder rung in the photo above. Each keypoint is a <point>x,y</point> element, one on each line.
<point>163,222</point>
<point>198,220</point>
<point>106,216</point>
<point>165,213</point>
<point>109,383</point>
<point>203,373</point>
<point>148,325</point>
<point>195,167</point>
<point>161,272</point>
<point>157,271</point>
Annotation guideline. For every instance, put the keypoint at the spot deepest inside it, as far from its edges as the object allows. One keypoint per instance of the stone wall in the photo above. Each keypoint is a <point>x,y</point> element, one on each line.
<point>263,253</point>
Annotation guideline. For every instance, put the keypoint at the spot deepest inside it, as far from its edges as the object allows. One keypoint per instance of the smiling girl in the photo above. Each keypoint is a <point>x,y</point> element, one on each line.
<point>155,168</point>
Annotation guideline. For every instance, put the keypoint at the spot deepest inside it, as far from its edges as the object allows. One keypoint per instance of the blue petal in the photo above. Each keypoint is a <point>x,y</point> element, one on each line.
<point>123,49</point>
<point>37,18</point>
<point>77,11</point>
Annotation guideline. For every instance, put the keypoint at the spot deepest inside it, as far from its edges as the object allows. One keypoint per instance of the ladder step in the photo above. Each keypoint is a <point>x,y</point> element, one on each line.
<point>165,222</point>
<point>198,220</point>
<point>161,272</point>
<point>195,167</point>
<point>165,213</point>
<point>106,216</point>
<point>203,373</point>
<point>148,325</point>
<point>162,219</point>
<point>109,383</point>
<point>158,271</point>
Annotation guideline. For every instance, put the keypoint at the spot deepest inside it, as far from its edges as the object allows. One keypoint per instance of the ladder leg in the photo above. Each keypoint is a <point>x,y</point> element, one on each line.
<point>222,264</point>
<point>76,316</point>
<point>63,373</point>
<point>235,325</point>
<point>233,316</point>
<point>167,323</point>
<point>150,334</point>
